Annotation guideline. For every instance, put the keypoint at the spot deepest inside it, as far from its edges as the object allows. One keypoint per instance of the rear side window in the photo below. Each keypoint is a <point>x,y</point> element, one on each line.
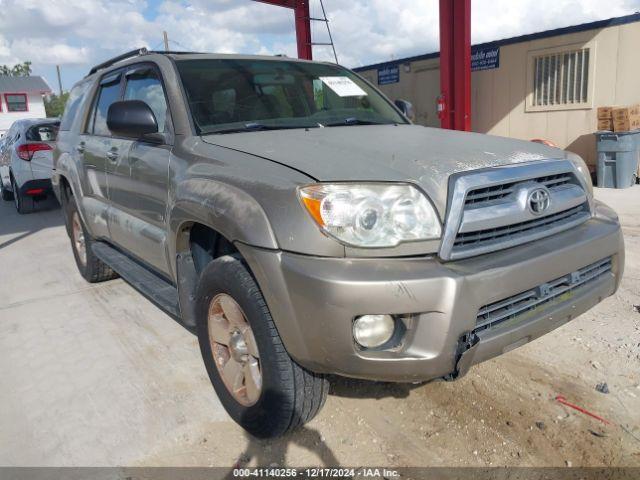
<point>145,85</point>
<point>109,93</point>
<point>43,133</point>
<point>76,98</point>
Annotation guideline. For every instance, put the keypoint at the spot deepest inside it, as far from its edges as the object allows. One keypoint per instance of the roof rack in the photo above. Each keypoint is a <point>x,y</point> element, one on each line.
<point>135,53</point>
<point>124,56</point>
<point>174,52</point>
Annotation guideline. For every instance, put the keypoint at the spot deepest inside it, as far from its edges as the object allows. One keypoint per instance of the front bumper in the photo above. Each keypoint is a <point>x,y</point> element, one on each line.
<point>313,301</point>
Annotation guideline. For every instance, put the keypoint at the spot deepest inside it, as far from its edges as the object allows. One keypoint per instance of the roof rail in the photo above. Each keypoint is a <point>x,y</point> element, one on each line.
<point>173,52</point>
<point>124,56</point>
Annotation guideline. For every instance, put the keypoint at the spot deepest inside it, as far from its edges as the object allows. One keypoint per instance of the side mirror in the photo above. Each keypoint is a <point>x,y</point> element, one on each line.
<point>131,118</point>
<point>406,108</point>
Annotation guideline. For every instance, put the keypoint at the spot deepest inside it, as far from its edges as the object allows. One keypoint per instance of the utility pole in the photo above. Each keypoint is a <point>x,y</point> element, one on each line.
<point>166,41</point>
<point>59,80</point>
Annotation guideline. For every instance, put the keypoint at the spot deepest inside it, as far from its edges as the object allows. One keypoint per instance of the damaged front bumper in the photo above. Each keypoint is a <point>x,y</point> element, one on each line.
<point>456,313</point>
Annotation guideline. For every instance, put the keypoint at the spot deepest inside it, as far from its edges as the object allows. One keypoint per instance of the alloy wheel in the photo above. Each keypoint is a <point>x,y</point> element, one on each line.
<point>16,195</point>
<point>78,238</point>
<point>234,349</point>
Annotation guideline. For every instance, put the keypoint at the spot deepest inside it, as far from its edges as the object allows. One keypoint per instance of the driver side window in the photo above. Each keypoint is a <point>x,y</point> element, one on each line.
<point>144,84</point>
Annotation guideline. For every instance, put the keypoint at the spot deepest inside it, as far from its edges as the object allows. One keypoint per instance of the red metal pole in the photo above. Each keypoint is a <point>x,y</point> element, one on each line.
<point>446,63</point>
<point>303,24</point>
<point>455,63</point>
<point>303,30</point>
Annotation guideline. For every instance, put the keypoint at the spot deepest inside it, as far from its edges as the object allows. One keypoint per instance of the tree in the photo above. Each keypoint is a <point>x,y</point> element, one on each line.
<point>18,70</point>
<point>54,104</point>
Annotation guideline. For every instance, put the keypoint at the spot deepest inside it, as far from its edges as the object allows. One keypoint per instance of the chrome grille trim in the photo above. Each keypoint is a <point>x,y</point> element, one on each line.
<point>493,314</point>
<point>498,200</point>
<point>496,192</point>
<point>512,231</point>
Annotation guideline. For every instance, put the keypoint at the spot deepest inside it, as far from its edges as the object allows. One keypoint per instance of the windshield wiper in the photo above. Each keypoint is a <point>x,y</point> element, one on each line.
<point>258,127</point>
<point>356,121</point>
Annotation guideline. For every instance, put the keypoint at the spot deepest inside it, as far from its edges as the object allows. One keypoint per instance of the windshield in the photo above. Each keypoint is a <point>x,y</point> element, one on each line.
<point>228,95</point>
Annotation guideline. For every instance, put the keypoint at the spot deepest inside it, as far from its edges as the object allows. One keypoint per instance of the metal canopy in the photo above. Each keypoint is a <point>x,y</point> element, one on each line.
<point>303,24</point>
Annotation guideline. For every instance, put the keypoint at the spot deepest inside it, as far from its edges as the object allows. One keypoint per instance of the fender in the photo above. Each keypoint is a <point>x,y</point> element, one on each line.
<point>224,208</point>
<point>93,212</point>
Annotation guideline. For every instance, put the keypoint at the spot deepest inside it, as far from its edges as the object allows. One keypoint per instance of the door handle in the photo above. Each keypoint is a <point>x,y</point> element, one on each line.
<point>112,155</point>
<point>80,147</point>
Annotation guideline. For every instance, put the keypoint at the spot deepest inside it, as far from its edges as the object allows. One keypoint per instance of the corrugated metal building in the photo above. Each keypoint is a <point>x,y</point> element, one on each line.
<point>543,85</point>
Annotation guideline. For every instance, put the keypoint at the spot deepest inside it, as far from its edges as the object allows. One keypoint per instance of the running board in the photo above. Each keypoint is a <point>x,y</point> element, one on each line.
<point>156,289</point>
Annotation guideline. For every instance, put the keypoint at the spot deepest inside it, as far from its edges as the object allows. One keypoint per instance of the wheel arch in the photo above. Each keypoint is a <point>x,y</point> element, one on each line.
<point>197,244</point>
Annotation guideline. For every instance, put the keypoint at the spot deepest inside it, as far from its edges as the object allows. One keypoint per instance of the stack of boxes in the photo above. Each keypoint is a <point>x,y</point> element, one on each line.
<point>619,119</point>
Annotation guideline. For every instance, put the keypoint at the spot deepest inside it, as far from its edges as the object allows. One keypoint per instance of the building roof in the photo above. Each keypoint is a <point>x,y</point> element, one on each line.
<point>635,17</point>
<point>31,84</point>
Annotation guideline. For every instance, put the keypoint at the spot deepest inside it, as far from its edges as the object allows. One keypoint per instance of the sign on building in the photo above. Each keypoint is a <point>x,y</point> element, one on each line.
<point>388,74</point>
<point>485,58</point>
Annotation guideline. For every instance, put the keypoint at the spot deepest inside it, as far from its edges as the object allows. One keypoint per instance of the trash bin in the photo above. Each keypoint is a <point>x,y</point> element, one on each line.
<point>618,155</point>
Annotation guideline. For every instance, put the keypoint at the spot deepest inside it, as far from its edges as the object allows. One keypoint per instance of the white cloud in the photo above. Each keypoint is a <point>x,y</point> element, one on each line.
<point>83,32</point>
<point>41,51</point>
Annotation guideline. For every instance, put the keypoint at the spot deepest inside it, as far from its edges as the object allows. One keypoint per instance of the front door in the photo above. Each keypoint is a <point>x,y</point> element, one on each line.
<point>139,187</point>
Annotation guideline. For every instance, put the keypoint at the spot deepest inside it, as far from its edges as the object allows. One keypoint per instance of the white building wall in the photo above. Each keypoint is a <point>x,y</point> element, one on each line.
<point>36,110</point>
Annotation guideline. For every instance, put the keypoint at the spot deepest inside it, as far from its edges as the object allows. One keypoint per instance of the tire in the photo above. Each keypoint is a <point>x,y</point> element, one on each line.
<point>92,269</point>
<point>7,195</point>
<point>24,204</point>
<point>289,395</point>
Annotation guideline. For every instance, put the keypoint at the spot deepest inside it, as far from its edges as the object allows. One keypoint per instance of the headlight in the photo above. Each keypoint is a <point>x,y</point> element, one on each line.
<point>371,215</point>
<point>582,168</point>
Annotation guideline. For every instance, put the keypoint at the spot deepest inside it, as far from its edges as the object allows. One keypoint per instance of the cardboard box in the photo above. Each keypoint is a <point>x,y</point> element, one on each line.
<point>626,118</point>
<point>605,113</point>
<point>605,124</point>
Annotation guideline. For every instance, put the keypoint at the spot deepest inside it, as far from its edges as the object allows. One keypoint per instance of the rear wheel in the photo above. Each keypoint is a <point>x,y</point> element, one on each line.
<point>90,266</point>
<point>7,195</point>
<point>24,203</point>
<point>262,388</point>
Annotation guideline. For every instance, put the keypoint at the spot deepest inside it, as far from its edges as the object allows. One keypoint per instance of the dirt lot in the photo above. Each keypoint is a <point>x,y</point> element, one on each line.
<point>95,375</point>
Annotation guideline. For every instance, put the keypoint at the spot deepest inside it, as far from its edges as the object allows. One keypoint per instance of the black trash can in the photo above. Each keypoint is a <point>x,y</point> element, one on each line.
<point>618,156</point>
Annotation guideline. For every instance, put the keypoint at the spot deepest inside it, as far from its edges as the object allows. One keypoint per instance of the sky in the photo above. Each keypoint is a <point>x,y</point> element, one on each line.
<point>77,34</point>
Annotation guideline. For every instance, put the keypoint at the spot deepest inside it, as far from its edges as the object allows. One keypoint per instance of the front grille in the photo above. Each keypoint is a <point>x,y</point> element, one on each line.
<point>518,231</point>
<point>480,196</point>
<point>490,209</point>
<point>518,305</point>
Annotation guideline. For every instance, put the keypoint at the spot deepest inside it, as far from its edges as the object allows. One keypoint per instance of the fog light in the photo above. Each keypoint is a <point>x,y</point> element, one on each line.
<point>372,331</point>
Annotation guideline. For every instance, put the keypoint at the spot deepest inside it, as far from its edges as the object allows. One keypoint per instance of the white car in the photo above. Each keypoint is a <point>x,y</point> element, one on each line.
<point>26,162</point>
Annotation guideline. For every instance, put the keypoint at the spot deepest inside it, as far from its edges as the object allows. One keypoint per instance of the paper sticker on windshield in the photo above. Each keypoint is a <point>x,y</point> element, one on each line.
<point>343,86</point>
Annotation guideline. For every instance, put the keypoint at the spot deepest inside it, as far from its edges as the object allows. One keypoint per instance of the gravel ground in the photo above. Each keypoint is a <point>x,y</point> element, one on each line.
<point>95,375</point>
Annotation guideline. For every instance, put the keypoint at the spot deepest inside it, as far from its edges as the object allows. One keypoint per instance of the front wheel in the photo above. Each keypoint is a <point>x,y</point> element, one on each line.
<point>261,387</point>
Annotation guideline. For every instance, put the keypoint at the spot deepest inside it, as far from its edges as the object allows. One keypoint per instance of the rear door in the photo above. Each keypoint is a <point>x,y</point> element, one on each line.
<point>99,149</point>
<point>139,194</point>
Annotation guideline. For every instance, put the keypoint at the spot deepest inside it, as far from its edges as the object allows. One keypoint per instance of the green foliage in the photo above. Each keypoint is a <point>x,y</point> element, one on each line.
<point>18,70</point>
<point>54,104</point>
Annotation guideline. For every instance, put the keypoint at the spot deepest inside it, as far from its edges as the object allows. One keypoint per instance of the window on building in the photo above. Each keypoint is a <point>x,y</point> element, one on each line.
<point>16,102</point>
<point>561,78</point>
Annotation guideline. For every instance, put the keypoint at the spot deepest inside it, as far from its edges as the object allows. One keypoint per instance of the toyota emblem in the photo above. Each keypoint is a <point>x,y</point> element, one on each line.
<point>538,200</point>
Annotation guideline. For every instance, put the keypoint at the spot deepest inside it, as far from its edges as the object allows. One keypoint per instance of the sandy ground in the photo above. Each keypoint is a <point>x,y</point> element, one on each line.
<point>95,375</point>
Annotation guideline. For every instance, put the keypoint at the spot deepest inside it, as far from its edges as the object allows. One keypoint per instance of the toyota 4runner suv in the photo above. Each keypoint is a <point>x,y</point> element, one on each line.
<point>293,216</point>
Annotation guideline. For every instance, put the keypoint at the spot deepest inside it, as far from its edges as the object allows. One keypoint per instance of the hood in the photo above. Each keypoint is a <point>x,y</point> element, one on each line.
<point>411,153</point>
